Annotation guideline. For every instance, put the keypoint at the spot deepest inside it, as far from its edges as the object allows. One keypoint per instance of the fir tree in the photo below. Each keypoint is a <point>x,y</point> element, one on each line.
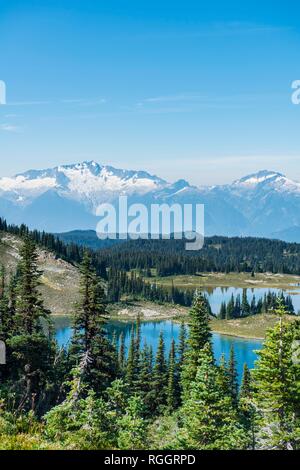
<point>232,376</point>
<point>230,309</point>
<point>245,304</point>
<point>181,345</point>
<point>208,421</point>
<point>130,363</point>
<point>144,385</point>
<point>29,304</point>
<point>276,381</point>
<point>224,375</point>
<point>246,385</point>
<point>31,349</point>
<point>5,316</point>
<point>237,307</point>
<point>246,406</point>
<point>132,426</point>
<point>160,374</point>
<point>172,387</point>
<point>90,337</point>
<point>12,301</point>
<point>253,307</point>
<point>137,345</point>
<point>199,336</point>
<point>222,314</point>
<point>115,353</point>
<point>122,352</point>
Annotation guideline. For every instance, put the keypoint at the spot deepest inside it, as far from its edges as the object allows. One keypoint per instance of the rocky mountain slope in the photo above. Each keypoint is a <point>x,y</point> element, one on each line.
<point>60,280</point>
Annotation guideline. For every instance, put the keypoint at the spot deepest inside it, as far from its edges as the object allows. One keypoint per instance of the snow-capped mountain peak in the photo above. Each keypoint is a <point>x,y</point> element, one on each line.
<point>266,181</point>
<point>258,178</point>
<point>87,182</point>
<point>66,197</point>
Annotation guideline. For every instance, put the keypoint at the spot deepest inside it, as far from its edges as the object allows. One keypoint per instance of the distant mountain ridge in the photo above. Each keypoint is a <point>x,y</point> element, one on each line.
<point>65,198</point>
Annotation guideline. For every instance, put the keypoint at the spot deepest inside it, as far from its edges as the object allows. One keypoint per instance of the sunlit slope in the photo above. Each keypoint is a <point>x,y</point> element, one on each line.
<point>60,279</point>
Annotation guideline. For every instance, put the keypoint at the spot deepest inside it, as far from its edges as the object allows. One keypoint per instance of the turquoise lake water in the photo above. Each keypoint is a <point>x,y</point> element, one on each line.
<point>220,294</point>
<point>150,331</point>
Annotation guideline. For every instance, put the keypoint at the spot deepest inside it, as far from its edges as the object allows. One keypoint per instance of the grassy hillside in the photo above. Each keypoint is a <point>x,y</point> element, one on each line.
<point>249,327</point>
<point>60,279</point>
<point>243,280</point>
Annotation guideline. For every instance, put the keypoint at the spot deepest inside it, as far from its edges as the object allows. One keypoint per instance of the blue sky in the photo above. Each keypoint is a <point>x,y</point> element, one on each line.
<point>183,89</point>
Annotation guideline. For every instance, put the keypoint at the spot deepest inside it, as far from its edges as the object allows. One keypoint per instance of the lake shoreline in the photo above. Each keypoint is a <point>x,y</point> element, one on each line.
<point>235,335</point>
<point>251,327</point>
<point>126,319</point>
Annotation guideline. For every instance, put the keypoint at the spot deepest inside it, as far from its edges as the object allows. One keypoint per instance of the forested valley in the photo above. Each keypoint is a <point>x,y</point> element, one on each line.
<point>95,394</point>
<point>128,267</point>
<point>169,257</point>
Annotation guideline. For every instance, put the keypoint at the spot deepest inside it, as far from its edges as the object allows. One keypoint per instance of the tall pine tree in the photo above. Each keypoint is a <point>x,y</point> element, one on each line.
<point>90,337</point>
<point>277,392</point>
<point>199,336</point>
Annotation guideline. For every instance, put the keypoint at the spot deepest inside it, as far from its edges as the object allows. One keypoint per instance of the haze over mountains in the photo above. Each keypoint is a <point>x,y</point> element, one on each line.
<point>66,197</point>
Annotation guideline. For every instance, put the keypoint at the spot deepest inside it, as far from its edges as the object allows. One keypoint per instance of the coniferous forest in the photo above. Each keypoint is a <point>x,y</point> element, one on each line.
<point>127,267</point>
<point>240,307</point>
<point>219,254</point>
<point>96,394</point>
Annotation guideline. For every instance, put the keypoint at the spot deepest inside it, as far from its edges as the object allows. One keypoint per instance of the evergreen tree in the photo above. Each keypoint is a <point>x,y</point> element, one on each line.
<point>224,379</point>
<point>121,355</point>
<point>81,420</point>
<point>5,314</point>
<point>115,353</point>
<point>199,336</point>
<point>245,304</point>
<point>222,314</point>
<point>160,375</point>
<point>90,337</point>
<point>130,375</point>
<point>232,376</point>
<point>12,301</point>
<point>137,346</point>
<point>276,381</point>
<point>29,304</point>
<point>237,307</point>
<point>253,307</point>
<point>208,421</point>
<point>132,426</point>
<point>230,309</point>
<point>31,349</point>
<point>181,345</point>
<point>144,385</point>
<point>246,406</point>
<point>246,385</point>
<point>172,380</point>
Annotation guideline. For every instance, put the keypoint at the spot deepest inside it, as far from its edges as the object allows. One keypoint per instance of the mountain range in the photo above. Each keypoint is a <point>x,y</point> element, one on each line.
<point>265,204</point>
